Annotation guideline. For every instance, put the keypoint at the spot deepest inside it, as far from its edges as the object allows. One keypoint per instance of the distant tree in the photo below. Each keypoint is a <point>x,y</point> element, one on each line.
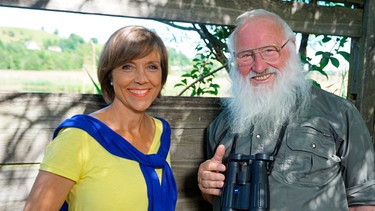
<point>51,42</point>
<point>178,59</point>
<point>11,33</point>
<point>94,40</point>
<point>72,42</point>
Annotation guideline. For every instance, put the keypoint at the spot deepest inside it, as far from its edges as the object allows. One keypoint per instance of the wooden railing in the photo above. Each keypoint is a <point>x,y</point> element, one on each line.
<point>27,121</point>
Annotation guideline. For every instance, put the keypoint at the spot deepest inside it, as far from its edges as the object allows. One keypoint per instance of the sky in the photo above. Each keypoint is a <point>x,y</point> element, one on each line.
<point>93,26</point>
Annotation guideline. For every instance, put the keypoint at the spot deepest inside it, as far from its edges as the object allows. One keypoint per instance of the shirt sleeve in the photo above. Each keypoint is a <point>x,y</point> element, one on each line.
<point>63,156</point>
<point>357,160</point>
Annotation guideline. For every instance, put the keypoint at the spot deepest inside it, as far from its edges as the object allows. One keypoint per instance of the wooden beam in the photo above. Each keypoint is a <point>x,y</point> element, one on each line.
<point>367,85</point>
<point>306,18</point>
<point>361,87</point>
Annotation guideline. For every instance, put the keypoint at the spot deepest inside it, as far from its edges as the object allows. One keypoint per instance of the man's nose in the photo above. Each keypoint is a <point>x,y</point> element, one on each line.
<point>259,64</point>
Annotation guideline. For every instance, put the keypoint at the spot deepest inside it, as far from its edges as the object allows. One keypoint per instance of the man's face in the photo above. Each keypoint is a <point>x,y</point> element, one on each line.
<point>250,38</point>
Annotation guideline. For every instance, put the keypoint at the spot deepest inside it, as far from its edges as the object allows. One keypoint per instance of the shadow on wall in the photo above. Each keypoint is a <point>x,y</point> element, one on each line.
<point>27,121</point>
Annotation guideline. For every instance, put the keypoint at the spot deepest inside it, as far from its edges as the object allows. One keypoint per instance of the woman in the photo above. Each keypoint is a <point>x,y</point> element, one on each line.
<point>116,158</point>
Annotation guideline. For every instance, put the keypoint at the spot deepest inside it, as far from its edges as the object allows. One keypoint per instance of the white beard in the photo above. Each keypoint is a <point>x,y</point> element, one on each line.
<point>268,106</point>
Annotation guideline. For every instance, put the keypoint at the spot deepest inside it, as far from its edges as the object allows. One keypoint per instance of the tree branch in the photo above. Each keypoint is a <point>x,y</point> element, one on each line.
<point>202,77</point>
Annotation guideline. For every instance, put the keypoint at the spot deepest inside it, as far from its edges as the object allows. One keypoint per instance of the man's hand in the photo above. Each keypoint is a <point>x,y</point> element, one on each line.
<point>210,175</point>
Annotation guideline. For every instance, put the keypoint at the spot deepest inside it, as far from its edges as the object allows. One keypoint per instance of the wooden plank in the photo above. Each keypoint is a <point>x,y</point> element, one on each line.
<point>361,86</point>
<point>16,182</point>
<point>187,143</point>
<point>306,18</point>
<point>310,19</point>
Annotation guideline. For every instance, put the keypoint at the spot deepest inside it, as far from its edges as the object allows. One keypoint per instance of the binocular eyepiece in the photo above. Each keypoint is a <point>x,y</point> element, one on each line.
<point>247,186</point>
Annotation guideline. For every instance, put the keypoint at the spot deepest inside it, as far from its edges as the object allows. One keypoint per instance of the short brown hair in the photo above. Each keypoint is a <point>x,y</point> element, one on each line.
<point>124,45</point>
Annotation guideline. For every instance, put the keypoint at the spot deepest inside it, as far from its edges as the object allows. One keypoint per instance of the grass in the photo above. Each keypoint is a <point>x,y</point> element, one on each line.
<point>79,82</point>
<point>75,82</point>
<point>45,81</point>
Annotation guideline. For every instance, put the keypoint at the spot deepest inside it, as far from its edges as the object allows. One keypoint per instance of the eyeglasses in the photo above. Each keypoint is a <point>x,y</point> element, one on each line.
<point>268,53</point>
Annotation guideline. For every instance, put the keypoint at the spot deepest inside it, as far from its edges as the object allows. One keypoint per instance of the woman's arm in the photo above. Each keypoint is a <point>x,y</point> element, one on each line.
<point>48,192</point>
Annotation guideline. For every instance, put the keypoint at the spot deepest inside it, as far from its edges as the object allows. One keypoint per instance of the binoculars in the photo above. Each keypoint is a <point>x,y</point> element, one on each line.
<point>246,186</point>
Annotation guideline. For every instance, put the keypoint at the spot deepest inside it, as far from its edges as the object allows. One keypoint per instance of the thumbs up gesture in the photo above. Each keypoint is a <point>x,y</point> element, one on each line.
<point>211,175</point>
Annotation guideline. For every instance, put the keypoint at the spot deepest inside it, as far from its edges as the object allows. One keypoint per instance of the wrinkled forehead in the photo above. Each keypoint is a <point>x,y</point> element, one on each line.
<point>257,33</point>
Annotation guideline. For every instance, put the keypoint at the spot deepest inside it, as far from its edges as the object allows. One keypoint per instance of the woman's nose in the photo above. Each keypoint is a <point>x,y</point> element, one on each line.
<point>141,77</point>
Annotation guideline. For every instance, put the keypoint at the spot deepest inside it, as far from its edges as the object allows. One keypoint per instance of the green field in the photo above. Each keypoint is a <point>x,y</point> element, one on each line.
<point>74,82</point>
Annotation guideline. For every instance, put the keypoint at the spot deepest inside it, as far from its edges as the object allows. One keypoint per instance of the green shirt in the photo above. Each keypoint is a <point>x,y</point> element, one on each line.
<point>325,161</point>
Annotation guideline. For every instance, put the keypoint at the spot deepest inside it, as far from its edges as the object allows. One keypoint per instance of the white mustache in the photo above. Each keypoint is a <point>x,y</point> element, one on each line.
<point>267,71</point>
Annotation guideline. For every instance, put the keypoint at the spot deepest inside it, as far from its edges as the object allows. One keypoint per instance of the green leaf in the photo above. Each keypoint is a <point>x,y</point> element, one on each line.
<point>326,39</point>
<point>320,53</point>
<point>215,85</point>
<point>176,85</point>
<point>344,54</point>
<point>193,93</point>
<point>315,83</point>
<point>98,90</point>
<point>198,48</point>
<point>335,62</point>
<point>186,75</point>
<point>323,62</point>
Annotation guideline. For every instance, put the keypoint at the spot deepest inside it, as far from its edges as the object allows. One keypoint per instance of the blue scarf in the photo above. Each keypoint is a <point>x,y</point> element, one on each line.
<point>162,197</point>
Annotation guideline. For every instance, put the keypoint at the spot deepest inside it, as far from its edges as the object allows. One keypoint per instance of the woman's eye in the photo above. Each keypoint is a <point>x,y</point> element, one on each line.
<point>128,67</point>
<point>153,67</point>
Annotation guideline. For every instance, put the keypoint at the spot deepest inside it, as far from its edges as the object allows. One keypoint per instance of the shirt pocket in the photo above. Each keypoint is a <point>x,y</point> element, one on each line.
<point>310,157</point>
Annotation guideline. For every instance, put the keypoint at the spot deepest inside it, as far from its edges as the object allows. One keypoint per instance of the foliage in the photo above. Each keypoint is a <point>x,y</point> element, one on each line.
<point>215,48</point>
<point>327,57</point>
<point>202,67</point>
<point>177,59</point>
<point>24,50</point>
<point>97,87</point>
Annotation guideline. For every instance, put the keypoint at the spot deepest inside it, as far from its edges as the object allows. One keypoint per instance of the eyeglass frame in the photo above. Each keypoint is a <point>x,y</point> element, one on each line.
<point>258,50</point>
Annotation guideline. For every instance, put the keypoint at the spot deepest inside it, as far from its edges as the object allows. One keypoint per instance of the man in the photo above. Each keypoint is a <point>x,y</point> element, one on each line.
<point>323,155</point>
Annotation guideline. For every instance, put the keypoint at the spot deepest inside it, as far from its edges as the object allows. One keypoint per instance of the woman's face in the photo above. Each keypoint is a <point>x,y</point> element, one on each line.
<point>137,83</point>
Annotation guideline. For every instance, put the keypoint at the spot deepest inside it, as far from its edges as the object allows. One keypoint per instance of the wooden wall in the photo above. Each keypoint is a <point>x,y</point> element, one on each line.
<point>27,121</point>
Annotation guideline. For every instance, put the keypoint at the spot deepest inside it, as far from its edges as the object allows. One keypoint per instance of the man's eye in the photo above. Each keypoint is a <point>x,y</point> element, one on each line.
<point>245,55</point>
<point>269,50</point>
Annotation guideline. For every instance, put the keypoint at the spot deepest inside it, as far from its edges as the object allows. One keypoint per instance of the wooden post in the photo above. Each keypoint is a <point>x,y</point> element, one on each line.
<point>361,87</point>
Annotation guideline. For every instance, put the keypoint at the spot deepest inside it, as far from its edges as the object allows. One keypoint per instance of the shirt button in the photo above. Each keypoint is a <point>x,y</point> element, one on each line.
<point>313,145</point>
<point>257,136</point>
